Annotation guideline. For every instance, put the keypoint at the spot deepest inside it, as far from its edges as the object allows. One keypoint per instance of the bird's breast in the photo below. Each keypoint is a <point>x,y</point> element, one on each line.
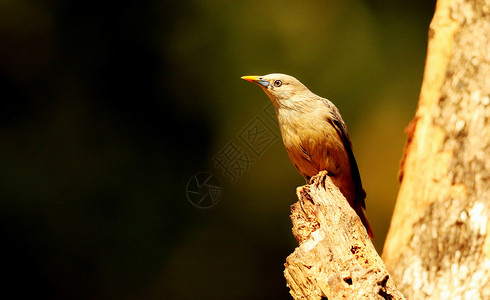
<point>314,146</point>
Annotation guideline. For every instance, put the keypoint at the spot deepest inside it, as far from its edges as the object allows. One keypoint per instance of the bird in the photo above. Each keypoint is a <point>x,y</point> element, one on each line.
<point>315,136</point>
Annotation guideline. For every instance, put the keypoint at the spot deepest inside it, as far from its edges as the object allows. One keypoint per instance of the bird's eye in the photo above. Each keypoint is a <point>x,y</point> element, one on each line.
<point>277,83</point>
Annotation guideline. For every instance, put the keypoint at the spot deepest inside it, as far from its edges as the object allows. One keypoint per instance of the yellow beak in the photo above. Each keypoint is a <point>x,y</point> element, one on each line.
<point>256,79</point>
<point>250,78</point>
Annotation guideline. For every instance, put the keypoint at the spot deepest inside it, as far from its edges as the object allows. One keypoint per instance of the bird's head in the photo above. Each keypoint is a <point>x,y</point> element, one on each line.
<point>282,89</point>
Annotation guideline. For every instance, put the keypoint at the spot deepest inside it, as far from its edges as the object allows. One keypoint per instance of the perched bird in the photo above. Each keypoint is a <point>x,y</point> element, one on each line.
<point>315,136</point>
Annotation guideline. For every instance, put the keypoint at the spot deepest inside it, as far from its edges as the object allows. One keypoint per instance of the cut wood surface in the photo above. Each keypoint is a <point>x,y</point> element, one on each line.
<point>335,259</point>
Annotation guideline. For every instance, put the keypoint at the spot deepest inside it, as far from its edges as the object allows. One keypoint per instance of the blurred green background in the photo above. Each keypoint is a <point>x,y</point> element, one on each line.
<point>109,108</point>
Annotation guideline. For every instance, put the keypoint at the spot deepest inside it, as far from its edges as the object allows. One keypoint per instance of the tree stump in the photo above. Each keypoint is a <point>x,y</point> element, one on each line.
<point>336,258</point>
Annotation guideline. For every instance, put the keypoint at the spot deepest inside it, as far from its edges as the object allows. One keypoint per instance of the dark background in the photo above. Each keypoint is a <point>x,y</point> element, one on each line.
<point>109,108</point>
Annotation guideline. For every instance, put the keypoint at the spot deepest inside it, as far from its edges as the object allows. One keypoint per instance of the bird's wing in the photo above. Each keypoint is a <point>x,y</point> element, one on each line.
<point>341,129</point>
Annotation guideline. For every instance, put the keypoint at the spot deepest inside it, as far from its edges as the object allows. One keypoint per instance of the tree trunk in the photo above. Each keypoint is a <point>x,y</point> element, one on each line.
<point>336,258</point>
<point>438,245</point>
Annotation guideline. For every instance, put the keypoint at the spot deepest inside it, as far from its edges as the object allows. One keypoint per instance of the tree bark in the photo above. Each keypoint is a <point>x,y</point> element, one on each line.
<point>438,245</point>
<point>336,258</point>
